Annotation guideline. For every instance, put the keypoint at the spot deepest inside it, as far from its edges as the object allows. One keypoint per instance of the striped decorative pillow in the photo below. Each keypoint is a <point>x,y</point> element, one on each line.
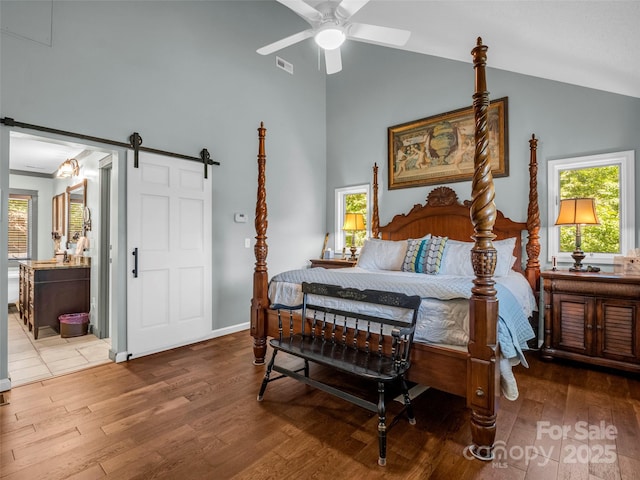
<point>424,255</point>
<point>434,254</point>
<point>416,252</point>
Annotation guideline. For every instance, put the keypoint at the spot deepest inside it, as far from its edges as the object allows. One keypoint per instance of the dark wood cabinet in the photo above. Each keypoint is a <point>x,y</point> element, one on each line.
<point>592,317</point>
<point>333,263</point>
<point>48,290</point>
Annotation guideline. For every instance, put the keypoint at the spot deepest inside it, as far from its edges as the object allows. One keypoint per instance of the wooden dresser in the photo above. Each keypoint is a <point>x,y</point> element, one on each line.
<point>49,289</point>
<point>593,318</point>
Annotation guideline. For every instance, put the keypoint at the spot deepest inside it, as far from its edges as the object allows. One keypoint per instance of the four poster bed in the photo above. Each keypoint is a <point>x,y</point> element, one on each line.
<point>470,371</point>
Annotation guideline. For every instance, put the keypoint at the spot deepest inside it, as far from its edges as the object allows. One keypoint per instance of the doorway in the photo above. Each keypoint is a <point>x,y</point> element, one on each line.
<point>33,162</point>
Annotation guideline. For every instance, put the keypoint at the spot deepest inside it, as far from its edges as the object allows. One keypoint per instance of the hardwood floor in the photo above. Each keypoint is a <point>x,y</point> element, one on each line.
<point>191,413</point>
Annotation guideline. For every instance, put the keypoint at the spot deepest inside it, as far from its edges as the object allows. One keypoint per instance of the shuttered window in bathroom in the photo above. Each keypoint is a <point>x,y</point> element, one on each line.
<point>22,219</point>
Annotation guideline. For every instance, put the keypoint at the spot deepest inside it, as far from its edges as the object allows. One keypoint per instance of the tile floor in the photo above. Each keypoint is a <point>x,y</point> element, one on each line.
<point>51,355</point>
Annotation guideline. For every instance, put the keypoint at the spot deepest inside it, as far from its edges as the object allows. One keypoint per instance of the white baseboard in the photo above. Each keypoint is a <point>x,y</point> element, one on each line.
<point>220,332</point>
<point>118,357</point>
<point>5,384</point>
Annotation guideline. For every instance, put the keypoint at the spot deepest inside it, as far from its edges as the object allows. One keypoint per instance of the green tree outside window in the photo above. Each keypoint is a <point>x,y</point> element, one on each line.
<point>603,184</point>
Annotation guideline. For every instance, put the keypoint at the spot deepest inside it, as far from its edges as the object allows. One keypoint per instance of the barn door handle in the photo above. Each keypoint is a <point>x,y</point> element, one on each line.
<point>135,263</point>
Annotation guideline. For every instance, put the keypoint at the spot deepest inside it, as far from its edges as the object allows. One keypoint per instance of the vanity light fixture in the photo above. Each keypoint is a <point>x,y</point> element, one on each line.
<point>68,168</point>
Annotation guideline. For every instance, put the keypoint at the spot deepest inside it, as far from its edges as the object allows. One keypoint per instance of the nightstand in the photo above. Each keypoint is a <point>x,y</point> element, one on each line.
<point>592,318</point>
<point>333,263</point>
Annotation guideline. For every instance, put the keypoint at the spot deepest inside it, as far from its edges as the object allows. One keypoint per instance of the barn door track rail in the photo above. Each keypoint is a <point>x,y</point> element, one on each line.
<point>135,142</point>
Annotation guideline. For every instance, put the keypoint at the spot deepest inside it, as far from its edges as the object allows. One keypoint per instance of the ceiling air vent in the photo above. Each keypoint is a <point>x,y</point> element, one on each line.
<point>284,65</point>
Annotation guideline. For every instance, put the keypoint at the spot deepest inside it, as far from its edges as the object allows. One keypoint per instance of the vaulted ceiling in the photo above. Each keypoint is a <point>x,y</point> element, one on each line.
<point>588,43</point>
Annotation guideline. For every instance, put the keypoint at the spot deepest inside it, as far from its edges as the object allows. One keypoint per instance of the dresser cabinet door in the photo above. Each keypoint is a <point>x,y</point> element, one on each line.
<point>573,323</point>
<point>617,329</point>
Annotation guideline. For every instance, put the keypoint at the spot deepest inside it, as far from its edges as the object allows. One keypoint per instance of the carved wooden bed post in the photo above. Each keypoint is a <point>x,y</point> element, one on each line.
<point>375,216</point>
<point>260,300</point>
<point>532,272</point>
<point>482,378</point>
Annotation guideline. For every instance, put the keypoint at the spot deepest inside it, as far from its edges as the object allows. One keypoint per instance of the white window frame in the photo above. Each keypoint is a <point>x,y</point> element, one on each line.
<point>625,160</point>
<point>340,195</point>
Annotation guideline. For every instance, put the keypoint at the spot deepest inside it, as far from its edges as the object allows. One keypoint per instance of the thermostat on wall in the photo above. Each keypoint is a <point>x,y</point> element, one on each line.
<point>240,218</point>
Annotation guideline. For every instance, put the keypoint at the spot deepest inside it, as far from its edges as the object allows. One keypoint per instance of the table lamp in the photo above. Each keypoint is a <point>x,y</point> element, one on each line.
<point>578,212</point>
<point>353,222</point>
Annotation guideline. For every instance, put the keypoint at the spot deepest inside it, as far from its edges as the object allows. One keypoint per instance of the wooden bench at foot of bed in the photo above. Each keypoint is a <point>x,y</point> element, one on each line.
<point>359,351</point>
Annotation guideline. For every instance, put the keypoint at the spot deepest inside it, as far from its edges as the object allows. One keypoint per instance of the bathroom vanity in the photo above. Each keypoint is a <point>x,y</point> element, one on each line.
<point>49,289</point>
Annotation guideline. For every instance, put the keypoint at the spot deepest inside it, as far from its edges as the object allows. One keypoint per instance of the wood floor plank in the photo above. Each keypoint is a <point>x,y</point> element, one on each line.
<point>627,429</point>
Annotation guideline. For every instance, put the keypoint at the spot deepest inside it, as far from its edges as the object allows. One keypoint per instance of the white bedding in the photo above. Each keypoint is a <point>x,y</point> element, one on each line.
<point>439,321</point>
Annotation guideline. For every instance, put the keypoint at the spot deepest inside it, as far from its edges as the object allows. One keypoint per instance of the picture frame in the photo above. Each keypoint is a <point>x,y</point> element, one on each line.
<point>440,149</point>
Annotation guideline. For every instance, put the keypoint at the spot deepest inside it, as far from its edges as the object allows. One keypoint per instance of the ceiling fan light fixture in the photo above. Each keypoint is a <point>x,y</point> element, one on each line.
<point>330,38</point>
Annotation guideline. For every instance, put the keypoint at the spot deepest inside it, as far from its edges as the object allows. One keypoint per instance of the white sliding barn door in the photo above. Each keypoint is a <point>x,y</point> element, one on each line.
<point>169,223</point>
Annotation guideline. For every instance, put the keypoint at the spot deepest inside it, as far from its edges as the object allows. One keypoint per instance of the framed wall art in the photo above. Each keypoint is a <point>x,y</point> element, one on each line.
<point>440,149</point>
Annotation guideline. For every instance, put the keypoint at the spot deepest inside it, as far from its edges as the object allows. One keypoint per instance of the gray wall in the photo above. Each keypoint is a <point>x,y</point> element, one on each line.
<point>380,87</point>
<point>186,75</point>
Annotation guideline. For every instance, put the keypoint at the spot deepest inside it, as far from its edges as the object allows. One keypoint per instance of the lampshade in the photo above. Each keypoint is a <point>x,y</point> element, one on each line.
<point>330,37</point>
<point>68,168</point>
<point>577,211</point>
<point>353,221</point>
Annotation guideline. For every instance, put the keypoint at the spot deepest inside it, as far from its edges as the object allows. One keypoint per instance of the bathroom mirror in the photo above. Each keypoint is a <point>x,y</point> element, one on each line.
<point>76,201</point>
<point>58,217</point>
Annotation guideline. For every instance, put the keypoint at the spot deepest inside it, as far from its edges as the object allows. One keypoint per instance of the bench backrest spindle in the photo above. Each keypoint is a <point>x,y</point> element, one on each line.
<point>356,334</point>
<point>280,324</point>
<point>324,325</point>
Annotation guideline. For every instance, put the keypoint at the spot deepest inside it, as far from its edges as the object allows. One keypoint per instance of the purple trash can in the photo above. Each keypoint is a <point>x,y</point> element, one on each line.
<point>74,324</point>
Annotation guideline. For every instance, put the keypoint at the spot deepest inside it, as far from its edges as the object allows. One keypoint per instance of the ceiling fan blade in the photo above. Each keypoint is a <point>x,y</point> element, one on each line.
<point>376,34</point>
<point>285,42</point>
<point>333,60</point>
<point>303,9</point>
<point>347,8</point>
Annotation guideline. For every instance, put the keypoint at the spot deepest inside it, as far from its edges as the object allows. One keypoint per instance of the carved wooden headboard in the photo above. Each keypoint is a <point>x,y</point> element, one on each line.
<point>444,215</point>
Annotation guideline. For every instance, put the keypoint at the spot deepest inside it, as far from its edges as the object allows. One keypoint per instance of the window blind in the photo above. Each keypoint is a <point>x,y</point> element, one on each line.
<point>20,227</point>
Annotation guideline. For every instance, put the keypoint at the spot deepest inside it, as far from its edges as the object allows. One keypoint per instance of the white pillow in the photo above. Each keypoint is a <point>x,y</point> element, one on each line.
<point>506,259</point>
<point>382,254</point>
<point>457,258</point>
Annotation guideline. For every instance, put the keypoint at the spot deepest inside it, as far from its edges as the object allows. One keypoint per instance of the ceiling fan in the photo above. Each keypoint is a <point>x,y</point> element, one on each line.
<point>330,27</point>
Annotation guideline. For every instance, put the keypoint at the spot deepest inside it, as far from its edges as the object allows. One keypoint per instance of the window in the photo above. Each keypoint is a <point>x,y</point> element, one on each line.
<point>609,178</point>
<point>76,217</point>
<point>351,200</point>
<point>22,216</point>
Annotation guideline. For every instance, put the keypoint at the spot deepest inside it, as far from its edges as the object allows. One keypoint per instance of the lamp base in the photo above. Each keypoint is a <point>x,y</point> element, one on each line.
<point>578,255</point>
<point>353,253</point>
